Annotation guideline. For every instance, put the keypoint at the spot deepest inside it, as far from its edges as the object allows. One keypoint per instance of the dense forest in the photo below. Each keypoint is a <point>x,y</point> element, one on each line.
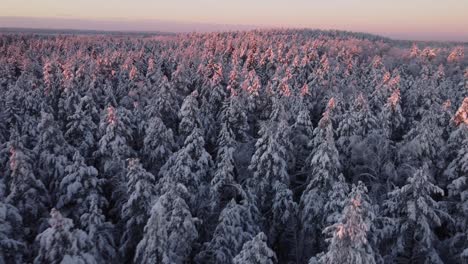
<point>268,146</point>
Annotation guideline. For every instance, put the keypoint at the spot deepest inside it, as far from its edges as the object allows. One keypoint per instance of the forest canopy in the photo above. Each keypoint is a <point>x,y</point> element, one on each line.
<point>266,146</point>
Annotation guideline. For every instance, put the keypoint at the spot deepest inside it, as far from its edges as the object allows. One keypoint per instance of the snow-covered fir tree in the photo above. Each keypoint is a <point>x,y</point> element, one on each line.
<point>392,116</point>
<point>218,91</point>
<point>423,143</point>
<point>189,115</point>
<point>171,230</point>
<point>233,114</point>
<point>236,225</point>
<point>337,200</point>
<point>81,130</point>
<point>53,152</point>
<point>324,166</point>
<point>113,150</point>
<point>353,128</point>
<point>269,163</point>
<point>80,181</point>
<point>302,135</point>
<point>190,166</point>
<point>364,118</point>
<point>416,213</point>
<point>26,192</point>
<point>113,146</point>
<point>141,192</point>
<point>165,103</point>
<point>100,232</point>
<point>457,172</point>
<point>61,243</point>
<point>256,251</point>
<point>349,242</point>
<point>283,227</point>
<point>11,225</point>
<point>158,144</point>
<point>224,173</point>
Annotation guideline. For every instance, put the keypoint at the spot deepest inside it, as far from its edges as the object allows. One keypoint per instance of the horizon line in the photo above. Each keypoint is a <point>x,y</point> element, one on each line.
<point>177,27</point>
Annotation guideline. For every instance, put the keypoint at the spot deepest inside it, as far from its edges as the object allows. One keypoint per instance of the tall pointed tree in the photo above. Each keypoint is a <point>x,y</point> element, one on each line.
<point>79,183</point>
<point>235,227</point>
<point>392,116</point>
<point>113,150</point>
<point>423,144</point>
<point>12,245</point>
<point>81,130</point>
<point>136,211</point>
<point>61,243</point>
<point>416,214</point>
<point>283,227</point>
<point>189,115</point>
<point>53,152</point>
<point>224,173</point>
<point>113,146</point>
<point>27,192</point>
<point>170,231</point>
<point>190,166</point>
<point>100,231</point>
<point>165,103</point>
<point>349,242</point>
<point>269,163</point>
<point>270,180</point>
<point>256,251</point>
<point>158,144</point>
<point>302,135</point>
<point>233,114</point>
<point>457,172</point>
<point>324,166</point>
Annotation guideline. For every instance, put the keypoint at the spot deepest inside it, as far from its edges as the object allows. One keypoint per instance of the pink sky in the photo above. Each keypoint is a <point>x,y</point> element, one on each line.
<point>409,19</point>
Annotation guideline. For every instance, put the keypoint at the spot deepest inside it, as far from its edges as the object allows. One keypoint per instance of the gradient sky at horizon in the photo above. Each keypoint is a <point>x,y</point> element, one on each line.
<point>417,19</point>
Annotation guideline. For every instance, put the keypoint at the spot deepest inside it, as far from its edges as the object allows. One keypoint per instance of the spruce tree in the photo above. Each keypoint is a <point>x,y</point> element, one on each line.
<point>256,251</point>
<point>416,214</point>
<point>81,130</point>
<point>365,120</point>
<point>11,224</point>
<point>113,150</point>
<point>26,191</point>
<point>52,151</point>
<point>233,114</point>
<point>170,232</point>
<point>302,135</point>
<point>283,227</point>
<point>135,212</point>
<point>100,231</point>
<point>165,104</point>
<point>349,242</point>
<point>158,144</point>
<point>189,115</point>
<point>190,166</point>
<point>236,225</point>
<point>113,146</point>
<point>269,163</point>
<point>324,166</point>
<point>423,144</point>
<point>392,116</point>
<point>457,172</point>
<point>61,243</point>
<point>225,172</point>
<point>79,183</point>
